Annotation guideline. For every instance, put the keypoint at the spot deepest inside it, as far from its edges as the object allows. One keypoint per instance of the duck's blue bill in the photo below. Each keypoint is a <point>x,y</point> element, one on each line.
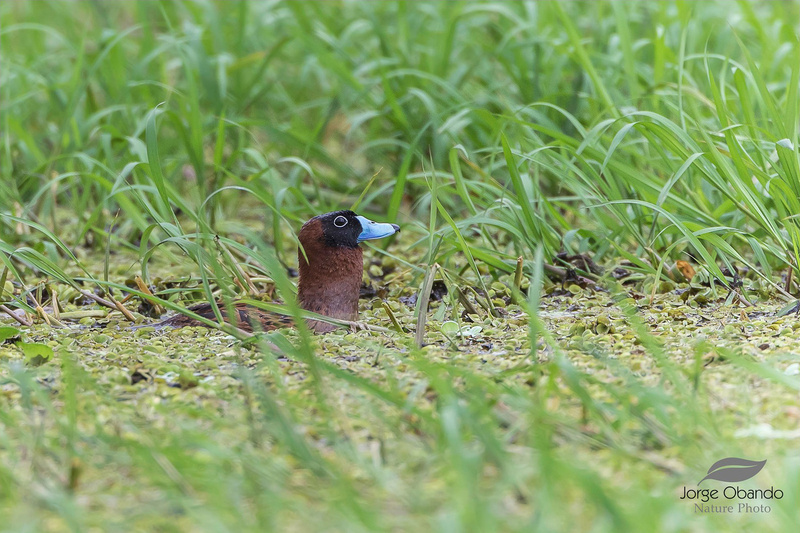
<point>374,230</point>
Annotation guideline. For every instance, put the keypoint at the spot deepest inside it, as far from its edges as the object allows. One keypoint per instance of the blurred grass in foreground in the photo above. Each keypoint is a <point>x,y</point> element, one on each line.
<point>646,131</point>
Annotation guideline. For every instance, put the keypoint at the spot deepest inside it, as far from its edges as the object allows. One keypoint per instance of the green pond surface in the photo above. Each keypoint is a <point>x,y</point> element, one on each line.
<point>642,391</point>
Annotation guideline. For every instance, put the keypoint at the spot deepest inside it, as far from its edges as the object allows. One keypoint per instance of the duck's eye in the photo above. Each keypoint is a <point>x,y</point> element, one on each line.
<point>340,221</point>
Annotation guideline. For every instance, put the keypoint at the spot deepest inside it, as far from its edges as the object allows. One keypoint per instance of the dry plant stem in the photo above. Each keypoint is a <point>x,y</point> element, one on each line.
<point>39,309</point>
<point>21,229</point>
<point>788,286</point>
<point>113,304</point>
<point>518,272</point>
<point>261,279</point>
<point>43,315</point>
<point>54,299</point>
<point>422,317</point>
<point>13,315</point>
<point>239,285</point>
<point>145,289</point>
<point>101,301</point>
<point>368,327</point>
<point>743,299</point>
<point>122,309</point>
<point>49,320</point>
<point>53,320</point>
<point>89,313</point>
<point>556,271</point>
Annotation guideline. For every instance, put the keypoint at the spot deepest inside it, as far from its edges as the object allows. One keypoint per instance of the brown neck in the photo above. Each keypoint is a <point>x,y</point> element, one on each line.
<point>329,283</point>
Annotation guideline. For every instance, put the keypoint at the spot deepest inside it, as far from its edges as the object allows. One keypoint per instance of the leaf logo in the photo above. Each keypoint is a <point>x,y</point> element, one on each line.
<point>733,470</point>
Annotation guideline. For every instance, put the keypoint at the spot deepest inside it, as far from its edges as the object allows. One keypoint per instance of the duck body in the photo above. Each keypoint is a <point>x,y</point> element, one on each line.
<point>331,266</point>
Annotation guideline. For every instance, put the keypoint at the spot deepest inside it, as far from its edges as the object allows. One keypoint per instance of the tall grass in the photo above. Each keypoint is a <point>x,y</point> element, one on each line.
<point>285,98</point>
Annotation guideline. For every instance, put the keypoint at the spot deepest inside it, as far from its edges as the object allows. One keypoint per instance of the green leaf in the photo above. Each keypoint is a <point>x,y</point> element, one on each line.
<point>35,354</point>
<point>7,332</point>
<point>791,307</point>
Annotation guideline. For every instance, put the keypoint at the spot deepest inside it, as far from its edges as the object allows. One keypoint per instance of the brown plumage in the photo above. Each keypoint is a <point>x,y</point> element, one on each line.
<point>246,317</point>
<point>330,266</point>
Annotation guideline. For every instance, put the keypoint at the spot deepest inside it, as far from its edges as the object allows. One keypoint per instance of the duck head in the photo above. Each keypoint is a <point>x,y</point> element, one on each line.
<point>331,264</point>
